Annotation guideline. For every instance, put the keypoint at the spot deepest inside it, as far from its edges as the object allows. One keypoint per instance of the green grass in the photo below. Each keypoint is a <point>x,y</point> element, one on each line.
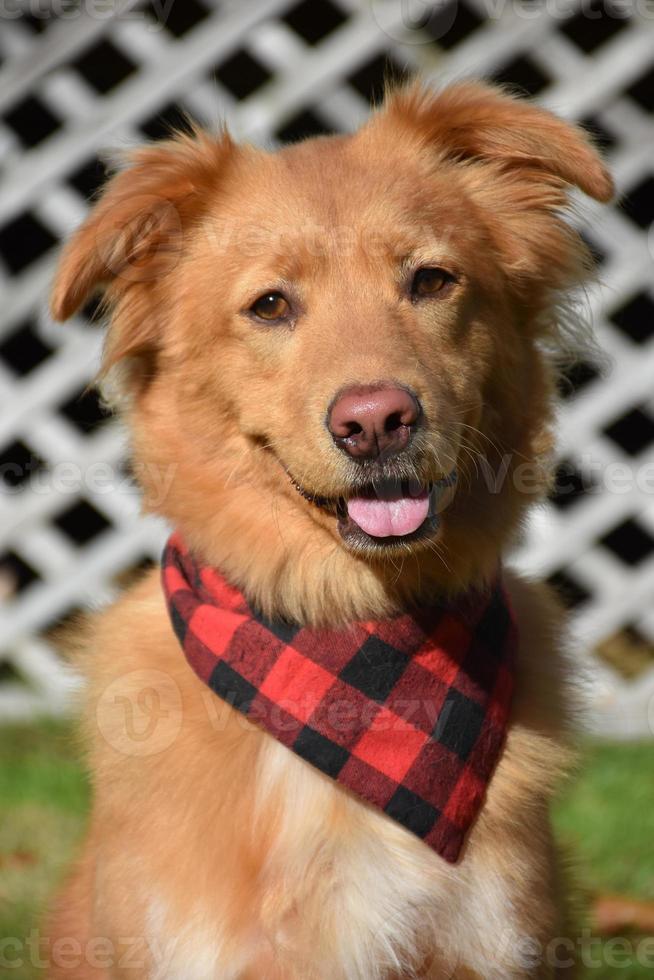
<point>605,818</point>
<point>606,821</point>
<point>43,804</point>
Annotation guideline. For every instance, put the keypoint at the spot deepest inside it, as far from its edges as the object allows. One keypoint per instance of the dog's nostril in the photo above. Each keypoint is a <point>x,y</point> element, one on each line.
<point>354,429</point>
<point>393,422</point>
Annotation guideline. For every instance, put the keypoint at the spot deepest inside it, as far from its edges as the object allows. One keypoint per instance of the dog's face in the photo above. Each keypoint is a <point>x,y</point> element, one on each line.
<point>335,339</point>
<point>346,333</point>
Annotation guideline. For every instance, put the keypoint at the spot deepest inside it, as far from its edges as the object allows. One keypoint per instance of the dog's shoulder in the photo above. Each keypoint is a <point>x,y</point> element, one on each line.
<point>540,743</point>
<point>547,673</point>
<point>139,692</point>
<point>124,635</point>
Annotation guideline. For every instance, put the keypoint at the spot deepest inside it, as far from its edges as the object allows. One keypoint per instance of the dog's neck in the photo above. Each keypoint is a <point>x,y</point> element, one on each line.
<point>291,567</point>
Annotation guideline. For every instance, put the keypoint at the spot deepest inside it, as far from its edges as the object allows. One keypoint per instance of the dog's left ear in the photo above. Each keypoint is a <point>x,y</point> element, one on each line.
<point>477,121</point>
<point>518,164</point>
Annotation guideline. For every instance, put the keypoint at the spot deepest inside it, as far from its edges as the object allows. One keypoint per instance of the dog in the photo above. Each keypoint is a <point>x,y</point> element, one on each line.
<point>343,356</point>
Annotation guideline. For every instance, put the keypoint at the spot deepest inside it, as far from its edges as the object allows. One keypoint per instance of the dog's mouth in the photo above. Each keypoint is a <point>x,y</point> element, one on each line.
<point>386,513</point>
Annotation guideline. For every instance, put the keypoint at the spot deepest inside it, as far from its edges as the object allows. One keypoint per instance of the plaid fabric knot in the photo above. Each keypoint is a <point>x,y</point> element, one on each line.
<point>409,713</point>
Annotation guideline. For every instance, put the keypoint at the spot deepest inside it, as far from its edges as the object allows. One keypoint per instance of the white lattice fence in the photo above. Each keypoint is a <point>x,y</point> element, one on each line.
<point>97,76</point>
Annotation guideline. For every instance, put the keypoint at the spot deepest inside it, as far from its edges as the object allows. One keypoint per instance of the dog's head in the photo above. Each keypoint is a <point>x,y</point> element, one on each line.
<point>339,346</point>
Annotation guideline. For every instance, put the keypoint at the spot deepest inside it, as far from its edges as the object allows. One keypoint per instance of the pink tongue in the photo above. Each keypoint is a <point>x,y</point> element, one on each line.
<point>389,518</point>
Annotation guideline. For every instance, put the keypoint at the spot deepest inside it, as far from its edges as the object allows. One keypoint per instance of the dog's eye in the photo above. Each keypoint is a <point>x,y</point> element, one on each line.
<point>431,282</point>
<point>271,306</point>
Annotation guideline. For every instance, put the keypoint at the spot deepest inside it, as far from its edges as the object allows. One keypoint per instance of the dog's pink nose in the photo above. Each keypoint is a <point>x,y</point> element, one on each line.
<point>373,420</point>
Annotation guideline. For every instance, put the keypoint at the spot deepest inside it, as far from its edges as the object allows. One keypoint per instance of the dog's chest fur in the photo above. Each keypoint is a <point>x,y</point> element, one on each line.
<point>253,864</point>
<point>346,893</point>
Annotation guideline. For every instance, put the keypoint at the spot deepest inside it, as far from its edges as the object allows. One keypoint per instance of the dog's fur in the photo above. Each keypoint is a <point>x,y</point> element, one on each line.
<point>214,852</point>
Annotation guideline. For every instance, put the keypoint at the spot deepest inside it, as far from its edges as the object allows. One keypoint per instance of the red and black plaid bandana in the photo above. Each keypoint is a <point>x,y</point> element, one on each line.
<point>409,713</point>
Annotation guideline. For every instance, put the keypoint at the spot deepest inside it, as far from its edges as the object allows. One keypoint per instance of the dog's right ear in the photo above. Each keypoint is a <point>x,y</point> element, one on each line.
<point>135,231</point>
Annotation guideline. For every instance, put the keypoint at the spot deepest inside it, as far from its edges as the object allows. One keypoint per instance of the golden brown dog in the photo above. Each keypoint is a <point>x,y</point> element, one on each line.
<point>424,263</point>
